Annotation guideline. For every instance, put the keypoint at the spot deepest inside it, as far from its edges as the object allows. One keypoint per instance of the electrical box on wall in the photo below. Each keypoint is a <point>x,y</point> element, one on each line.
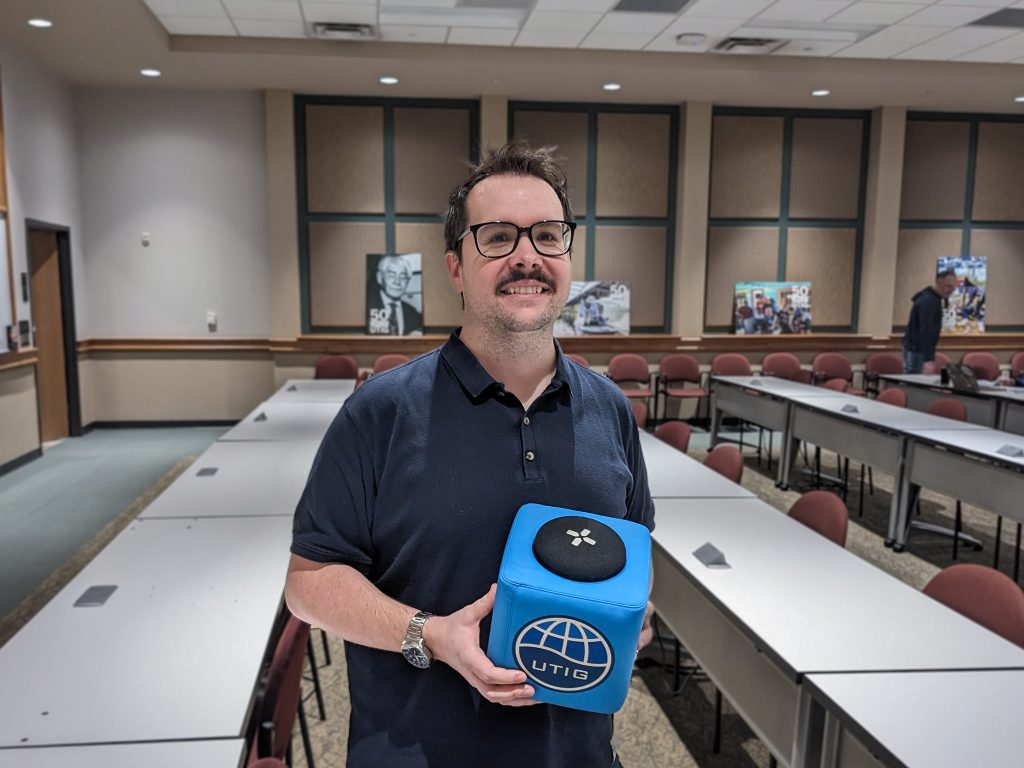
<point>211,321</point>
<point>24,287</point>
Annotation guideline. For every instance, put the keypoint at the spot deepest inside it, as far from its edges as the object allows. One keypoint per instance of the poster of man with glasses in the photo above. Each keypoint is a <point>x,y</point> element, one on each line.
<point>394,294</point>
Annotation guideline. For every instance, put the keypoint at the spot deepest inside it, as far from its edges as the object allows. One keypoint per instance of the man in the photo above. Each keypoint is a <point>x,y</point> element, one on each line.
<point>390,314</point>
<point>400,531</point>
<point>925,324</point>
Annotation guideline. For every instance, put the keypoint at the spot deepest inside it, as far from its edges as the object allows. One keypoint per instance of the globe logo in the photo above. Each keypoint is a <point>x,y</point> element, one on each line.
<point>563,654</point>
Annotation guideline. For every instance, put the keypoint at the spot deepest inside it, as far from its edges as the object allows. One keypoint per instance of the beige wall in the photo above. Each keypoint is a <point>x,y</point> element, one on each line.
<point>19,413</point>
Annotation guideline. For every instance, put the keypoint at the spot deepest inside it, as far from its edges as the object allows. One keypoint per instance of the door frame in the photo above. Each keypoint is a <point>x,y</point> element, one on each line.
<point>67,313</point>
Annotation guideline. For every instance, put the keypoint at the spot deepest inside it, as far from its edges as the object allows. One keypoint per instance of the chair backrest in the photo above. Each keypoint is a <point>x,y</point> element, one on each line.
<point>823,512</point>
<point>782,365</point>
<point>1017,365</point>
<point>731,364</point>
<point>839,385</point>
<point>640,412</point>
<point>337,367</point>
<point>883,362</point>
<point>675,433</point>
<point>679,367</point>
<point>389,361</point>
<point>832,365</point>
<point>629,367</point>
<point>984,595</point>
<point>283,688</point>
<point>578,358</point>
<point>948,408</point>
<point>941,360</point>
<point>727,461</point>
<point>984,365</point>
<point>893,396</point>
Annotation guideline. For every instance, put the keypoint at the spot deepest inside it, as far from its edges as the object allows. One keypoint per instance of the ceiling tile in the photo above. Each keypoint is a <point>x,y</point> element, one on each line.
<point>546,38</point>
<point>986,3</point>
<point>260,28</point>
<point>956,43</point>
<point>559,21</point>
<point>613,42</point>
<point>469,36</point>
<point>803,10</point>
<point>727,9</point>
<point>889,42</point>
<point>947,16</point>
<point>809,48</point>
<point>1002,51</point>
<point>667,43</point>
<point>412,33</point>
<point>263,10</point>
<point>190,25</point>
<point>200,8</point>
<point>876,13</point>
<point>598,6</point>
<point>634,23</point>
<point>339,13</point>
<point>720,27</point>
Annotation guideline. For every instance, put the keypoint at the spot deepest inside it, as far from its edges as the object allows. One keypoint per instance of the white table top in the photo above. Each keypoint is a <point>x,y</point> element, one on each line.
<point>258,478</point>
<point>933,719</point>
<point>220,753</point>
<point>984,442</point>
<point>671,473</point>
<point>314,391</point>
<point>883,415</point>
<point>783,388</point>
<point>174,653</point>
<point>813,606</point>
<point>284,421</point>
<point>988,388</point>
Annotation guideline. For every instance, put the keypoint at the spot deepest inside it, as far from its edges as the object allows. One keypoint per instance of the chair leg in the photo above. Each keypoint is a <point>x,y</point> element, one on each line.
<point>316,679</point>
<point>304,730</point>
<point>846,478</point>
<point>957,524</point>
<point>999,536</point>
<point>716,740</point>
<point>1016,556</point>
<point>871,482</point>
<point>327,650</point>
<point>860,496</point>
<point>771,436</point>
<point>771,761</point>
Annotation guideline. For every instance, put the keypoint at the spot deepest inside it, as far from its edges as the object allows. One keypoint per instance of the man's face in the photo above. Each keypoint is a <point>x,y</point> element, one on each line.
<point>393,277</point>
<point>523,291</point>
<point>945,286</point>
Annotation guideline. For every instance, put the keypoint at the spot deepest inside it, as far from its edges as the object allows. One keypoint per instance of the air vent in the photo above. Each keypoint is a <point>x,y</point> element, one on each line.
<point>326,30</point>
<point>748,45</point>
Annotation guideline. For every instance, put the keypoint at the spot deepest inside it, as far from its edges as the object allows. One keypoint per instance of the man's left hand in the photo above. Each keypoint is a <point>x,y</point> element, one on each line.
<point>646,632</point>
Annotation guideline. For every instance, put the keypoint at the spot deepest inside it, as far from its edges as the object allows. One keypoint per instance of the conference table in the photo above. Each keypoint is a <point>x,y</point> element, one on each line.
<point>891,719</point>
<point>285,422</point>
<point>314,391</point>
<point>792,604</point>
<point>239,479</point>
<point>213,753</point>
<point>671,473</point>
<point>174,653</point>
<point>992,406</point>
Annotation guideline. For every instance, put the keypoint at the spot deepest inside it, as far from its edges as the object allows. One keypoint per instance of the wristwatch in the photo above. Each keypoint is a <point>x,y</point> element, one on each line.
<point>413,648</point>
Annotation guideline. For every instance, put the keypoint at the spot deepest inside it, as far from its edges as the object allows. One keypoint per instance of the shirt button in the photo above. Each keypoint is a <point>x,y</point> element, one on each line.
<point>526,420</point>
<point>529,455</point>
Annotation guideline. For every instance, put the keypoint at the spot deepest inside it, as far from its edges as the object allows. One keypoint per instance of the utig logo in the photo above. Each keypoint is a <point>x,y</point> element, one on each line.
<point>563,654</point>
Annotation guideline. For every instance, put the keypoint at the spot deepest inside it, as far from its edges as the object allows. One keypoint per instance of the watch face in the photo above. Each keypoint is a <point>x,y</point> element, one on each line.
<point>416,656</point>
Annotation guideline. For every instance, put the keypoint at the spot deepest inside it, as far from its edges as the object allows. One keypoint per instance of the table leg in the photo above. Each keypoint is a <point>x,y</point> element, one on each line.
<point>809,730</point>
<point>787,451</point>
<point>716,420</point>
<point>903,493</point>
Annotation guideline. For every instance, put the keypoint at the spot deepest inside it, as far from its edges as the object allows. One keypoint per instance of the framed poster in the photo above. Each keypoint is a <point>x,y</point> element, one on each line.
<point>772,308</point>
<point>964,313</point>
<point>394,294</point>
<point>595,309</point>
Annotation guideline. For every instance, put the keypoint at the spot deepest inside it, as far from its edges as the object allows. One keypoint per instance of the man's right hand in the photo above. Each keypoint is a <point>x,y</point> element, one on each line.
<point>455,640</point>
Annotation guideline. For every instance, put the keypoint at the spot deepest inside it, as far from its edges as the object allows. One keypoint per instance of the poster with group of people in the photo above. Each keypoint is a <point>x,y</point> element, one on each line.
<point>772,308</point>
<point>595,308</point>
<point>964,313</point>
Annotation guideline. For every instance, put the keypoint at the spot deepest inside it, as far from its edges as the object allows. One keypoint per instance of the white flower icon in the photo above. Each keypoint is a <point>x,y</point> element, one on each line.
<point>580,537</point>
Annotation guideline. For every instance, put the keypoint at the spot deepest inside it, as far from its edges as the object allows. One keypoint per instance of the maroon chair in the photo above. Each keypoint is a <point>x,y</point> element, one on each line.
<point>983,595</point>
<point>948,408</point>
<point>878,364</point>
<point>984,365</point>
<point>631,369</point>
<point>268,762</point>
<point>383,363</point>
<point>1017,365</point>
<point>675,433</point>
<point>828,366</point>
<point>785,365</point>
<point>735,364</point>
<point>823,512</point>
<point>675,371</point>
<point>839,385</point>
<point>941,361</point>
<point>727,461</point>
<point>893,396</point>
<point>639,412</point>
<point>578,358</point>
<point>336,367</point>
<point>281,698</point>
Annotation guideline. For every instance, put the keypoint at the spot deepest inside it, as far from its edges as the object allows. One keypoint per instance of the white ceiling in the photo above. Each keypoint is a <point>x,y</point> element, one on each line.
<point>930,30</point>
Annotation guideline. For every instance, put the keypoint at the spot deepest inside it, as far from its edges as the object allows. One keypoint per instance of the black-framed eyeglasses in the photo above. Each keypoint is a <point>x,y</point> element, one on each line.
<point>497,239</point>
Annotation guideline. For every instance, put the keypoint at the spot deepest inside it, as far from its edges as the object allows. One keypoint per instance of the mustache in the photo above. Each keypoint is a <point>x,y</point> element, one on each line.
<point>519,274</point>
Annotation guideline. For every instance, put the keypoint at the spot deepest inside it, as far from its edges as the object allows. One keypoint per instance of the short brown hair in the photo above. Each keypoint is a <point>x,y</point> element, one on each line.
<point>515,158</point>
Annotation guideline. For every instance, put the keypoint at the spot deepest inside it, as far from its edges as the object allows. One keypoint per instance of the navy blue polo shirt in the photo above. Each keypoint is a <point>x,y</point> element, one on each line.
<point>416,485</point>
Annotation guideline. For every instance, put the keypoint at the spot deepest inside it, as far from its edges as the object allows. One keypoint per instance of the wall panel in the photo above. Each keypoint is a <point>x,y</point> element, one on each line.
<point>431,158</point>
<point>566,133</point>
<point>934,170</point>
<point>635,255</point>
<point>736,254</point>
<point>825,171</point>
<point>1005,278</point>
<point>999,177</point>
<point>632,164</point>
<point>916,261</point>
<point>826,257</point>
<point>337,270</point>
<point>441,305</point>
<point>746,166</point>
<point>344,158</point>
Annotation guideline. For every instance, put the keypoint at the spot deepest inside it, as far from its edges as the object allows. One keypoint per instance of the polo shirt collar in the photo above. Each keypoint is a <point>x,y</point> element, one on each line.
<point>478,382</point>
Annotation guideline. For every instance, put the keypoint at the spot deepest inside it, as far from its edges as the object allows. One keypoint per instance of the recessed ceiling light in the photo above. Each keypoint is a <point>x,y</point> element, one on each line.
<point>1019,99</point>
<point>612,86</point>
<point>40,23</point>
<point>150,72</point>
<point>389,80</point>
<point>820,92</point>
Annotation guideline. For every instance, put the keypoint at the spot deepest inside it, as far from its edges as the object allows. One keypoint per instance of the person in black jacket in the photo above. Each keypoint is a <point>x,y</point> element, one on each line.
<point>925,323</point>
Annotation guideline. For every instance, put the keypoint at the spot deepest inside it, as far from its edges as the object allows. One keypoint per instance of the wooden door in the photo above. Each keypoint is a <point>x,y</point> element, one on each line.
<point>51,376</point>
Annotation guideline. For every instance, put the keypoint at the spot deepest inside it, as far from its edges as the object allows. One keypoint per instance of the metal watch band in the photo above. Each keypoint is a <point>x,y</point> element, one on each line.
<point>415,631</point>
